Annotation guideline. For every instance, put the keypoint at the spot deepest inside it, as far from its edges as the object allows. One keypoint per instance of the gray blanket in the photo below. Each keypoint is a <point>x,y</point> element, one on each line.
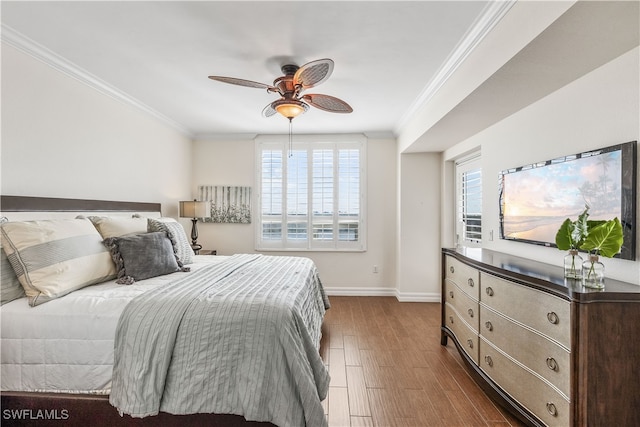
<point>238,337</point>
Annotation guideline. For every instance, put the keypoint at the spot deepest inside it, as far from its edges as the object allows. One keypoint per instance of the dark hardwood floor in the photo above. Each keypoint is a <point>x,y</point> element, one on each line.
<point>388,369</point>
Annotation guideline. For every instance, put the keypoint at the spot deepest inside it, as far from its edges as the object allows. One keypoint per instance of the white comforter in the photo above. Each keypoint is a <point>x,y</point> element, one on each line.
<point>66,345</point>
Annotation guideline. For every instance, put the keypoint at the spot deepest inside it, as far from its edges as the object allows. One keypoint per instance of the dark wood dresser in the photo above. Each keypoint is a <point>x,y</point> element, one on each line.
<point>549,350</point>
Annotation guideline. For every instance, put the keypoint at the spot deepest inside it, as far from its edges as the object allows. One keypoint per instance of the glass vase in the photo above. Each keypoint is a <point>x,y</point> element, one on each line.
<point>593,273</point>
<point>573,265</point>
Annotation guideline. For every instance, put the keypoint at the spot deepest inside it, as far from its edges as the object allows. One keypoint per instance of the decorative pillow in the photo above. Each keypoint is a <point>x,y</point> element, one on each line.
<point>118,226</point>
<point>176,233</point>
<point>10,287</point>
<point>55,257</point>
<point>143,256</point>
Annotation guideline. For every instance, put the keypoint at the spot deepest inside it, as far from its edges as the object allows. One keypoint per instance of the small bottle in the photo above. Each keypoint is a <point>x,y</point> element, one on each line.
<point>573,265</point>
<point>593,273</point>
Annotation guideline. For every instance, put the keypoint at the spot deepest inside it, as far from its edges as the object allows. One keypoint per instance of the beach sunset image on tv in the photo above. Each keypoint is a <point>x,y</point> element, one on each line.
<point>536,199</point>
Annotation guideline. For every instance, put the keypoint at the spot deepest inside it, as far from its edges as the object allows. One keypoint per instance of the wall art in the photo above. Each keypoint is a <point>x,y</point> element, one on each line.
<point>229,204</point>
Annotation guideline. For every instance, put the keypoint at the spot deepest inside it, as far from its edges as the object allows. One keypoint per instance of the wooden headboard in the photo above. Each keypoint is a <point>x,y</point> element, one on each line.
<point>49,204</point>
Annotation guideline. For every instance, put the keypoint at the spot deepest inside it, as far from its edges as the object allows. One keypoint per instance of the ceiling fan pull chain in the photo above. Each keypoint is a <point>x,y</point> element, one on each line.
<point>290,137</point>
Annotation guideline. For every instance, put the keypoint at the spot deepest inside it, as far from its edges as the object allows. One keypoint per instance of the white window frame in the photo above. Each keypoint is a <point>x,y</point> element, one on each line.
<point>310,142</point>
<point>465,165</point>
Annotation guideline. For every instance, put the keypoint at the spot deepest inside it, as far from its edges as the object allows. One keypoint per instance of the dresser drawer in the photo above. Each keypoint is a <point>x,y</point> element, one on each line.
<point>466,306</point>
<point>543,312</point>
<point>547,358</point>
<point>531,391</point>
<point>466,277</point>
<point>466,336</point>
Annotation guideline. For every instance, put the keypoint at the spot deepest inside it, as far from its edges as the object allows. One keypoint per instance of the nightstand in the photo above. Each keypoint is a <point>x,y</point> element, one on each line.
<point>208,252</point>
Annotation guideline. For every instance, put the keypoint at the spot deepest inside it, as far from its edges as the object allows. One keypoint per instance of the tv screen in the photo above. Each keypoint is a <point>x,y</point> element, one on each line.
<point>535,199</point>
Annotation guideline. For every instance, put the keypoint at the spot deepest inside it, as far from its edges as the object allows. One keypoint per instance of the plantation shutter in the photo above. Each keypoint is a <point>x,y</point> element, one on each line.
<point>311,194</point>
<point>469,200</point>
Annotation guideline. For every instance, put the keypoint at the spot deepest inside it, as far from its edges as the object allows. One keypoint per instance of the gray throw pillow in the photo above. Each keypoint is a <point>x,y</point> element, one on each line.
<point>142,256</point>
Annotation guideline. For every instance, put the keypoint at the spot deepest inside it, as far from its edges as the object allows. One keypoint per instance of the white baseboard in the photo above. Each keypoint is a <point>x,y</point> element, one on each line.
<point>384,292</point>
<point>361,292</point>
<point>418,297</point>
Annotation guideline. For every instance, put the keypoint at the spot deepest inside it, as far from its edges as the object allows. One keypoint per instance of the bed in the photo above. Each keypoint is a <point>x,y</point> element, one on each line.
<point>236,343</point>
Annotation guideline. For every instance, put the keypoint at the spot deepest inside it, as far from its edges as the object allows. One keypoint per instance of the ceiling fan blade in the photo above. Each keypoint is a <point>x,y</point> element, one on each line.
<point>328,103</point>
<point>268,111</point>
<point>313,73</point>
<point>242,82</point>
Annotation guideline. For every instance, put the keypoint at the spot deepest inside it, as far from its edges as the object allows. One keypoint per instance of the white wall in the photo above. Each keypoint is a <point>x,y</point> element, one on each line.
<point>231,161</point>
<point>419,267</point>
<point>597,110</point>
<point>61,138</point>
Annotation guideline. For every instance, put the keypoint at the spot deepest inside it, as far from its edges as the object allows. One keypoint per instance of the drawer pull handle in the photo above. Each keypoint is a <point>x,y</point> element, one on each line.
<point>470,311</point>
<point>451,294</point>
<point>488,325</point>
<point>451,319</point>
<point>552,364</point>
<point>452,270</point>
<point>470,342</point>
<point>489,291</point>
<point>552,410</point>
<point>488,360</point>
<point>470,282</point>
<point>552,317</point>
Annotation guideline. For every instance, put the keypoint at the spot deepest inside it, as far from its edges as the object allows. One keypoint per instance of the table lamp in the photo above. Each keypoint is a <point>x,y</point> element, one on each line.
<point>194,210</point>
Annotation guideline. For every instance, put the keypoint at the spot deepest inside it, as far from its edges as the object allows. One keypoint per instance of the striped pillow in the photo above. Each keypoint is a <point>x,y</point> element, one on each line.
<point>55,257</point>
<point>176,234</point>
<point>10,287</point>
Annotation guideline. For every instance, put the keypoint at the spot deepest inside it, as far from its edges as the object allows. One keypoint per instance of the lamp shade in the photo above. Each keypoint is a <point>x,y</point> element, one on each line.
<point>194,209</point>
<point>289,108</point>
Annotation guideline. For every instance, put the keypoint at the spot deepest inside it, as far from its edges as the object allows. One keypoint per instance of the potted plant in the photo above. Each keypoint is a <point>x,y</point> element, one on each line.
<point>601,237</point>
<point>604,238</point>
<point>571,236</point>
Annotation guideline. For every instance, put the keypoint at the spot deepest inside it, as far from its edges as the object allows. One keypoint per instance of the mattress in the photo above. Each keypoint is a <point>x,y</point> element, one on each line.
<point>66,345</point>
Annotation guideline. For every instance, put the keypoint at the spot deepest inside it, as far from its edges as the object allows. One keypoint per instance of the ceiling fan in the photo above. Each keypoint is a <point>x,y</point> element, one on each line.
<point>291,86</point>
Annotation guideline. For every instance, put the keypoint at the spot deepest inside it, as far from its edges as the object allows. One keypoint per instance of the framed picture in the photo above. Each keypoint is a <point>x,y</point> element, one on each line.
<point>228,203</point>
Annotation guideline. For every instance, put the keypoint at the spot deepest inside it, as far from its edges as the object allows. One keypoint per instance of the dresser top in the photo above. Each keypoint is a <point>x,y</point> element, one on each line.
<point>546,277</point>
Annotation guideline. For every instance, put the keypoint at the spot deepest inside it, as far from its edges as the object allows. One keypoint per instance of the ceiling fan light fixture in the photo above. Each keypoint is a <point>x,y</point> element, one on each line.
<point>290,87</point>
<point>290,108</point>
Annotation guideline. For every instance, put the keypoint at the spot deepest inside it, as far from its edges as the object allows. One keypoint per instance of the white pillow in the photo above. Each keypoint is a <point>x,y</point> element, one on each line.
<point>118,226</point>
<point>55,257</point>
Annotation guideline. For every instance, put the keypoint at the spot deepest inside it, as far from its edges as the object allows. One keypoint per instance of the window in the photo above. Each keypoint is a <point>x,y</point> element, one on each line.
<point>469,201</point>
<point>311,195</point>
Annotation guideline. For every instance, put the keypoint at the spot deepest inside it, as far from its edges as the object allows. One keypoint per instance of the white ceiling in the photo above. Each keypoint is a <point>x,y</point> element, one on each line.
<point>160,54</point>
<point>392,58</point>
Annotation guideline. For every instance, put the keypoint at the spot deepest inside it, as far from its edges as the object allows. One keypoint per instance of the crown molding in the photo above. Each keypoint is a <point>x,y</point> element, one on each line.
<point>223,137</point>
<point>43,54</point>
<point>491,15</point>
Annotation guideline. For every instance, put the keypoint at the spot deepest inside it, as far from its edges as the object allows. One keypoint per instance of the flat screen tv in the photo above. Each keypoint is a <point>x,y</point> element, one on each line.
<point>535,199</point>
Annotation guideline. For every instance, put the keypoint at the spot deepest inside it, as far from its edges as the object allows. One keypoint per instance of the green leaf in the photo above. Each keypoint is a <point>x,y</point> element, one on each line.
<point>571,234</point>
<point>605,237</point>
<point>591,224</point>
<point>564,241</point>
<point>581,228</point>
